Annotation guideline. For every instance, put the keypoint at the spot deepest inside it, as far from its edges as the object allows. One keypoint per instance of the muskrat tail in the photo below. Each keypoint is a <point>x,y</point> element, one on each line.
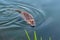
<point>18,11</point>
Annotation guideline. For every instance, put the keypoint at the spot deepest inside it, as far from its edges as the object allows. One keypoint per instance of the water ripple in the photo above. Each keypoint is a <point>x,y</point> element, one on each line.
<point>8,15</point>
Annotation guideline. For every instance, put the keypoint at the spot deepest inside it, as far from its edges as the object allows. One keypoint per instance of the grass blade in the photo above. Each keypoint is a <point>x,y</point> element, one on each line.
<point>40,38</point>
<point>27,34</point>
<point>50,38</point>
<point>35,37</point>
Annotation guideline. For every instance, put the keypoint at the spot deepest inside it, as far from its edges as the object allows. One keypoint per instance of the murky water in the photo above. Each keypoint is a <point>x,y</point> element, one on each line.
<point>45,12</point>
<point>11,20</point>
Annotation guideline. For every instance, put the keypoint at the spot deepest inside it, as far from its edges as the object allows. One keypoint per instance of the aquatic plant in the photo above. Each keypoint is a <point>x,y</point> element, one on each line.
<point>35,36</point>
<point>27,34</point>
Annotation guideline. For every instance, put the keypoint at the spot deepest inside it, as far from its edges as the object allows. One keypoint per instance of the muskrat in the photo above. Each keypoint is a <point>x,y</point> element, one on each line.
<point>27,17</point>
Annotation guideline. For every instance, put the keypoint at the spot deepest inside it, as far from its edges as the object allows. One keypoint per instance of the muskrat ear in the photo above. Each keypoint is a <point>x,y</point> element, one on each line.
<point>18,11</point>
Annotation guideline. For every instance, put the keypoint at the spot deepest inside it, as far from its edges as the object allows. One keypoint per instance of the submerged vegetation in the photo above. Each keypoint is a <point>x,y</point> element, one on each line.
<point>35,36</point>
<point>27,35</point>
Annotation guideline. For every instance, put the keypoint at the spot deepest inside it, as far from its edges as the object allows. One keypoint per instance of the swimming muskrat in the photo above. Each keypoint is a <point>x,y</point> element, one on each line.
<point>27,17</point>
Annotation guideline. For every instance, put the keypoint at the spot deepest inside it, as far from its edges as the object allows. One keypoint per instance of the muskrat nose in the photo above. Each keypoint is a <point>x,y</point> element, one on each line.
<point>32,26</point>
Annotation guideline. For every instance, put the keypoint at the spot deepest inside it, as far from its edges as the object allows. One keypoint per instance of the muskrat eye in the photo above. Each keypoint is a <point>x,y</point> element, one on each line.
<point>32,22</point>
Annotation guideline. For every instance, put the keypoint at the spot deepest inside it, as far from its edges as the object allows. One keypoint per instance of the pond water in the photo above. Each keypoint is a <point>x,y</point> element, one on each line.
<point>12,26</point>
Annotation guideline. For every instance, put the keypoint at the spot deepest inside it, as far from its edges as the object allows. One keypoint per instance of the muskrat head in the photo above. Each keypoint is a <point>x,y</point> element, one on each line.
<point>31,22</point>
